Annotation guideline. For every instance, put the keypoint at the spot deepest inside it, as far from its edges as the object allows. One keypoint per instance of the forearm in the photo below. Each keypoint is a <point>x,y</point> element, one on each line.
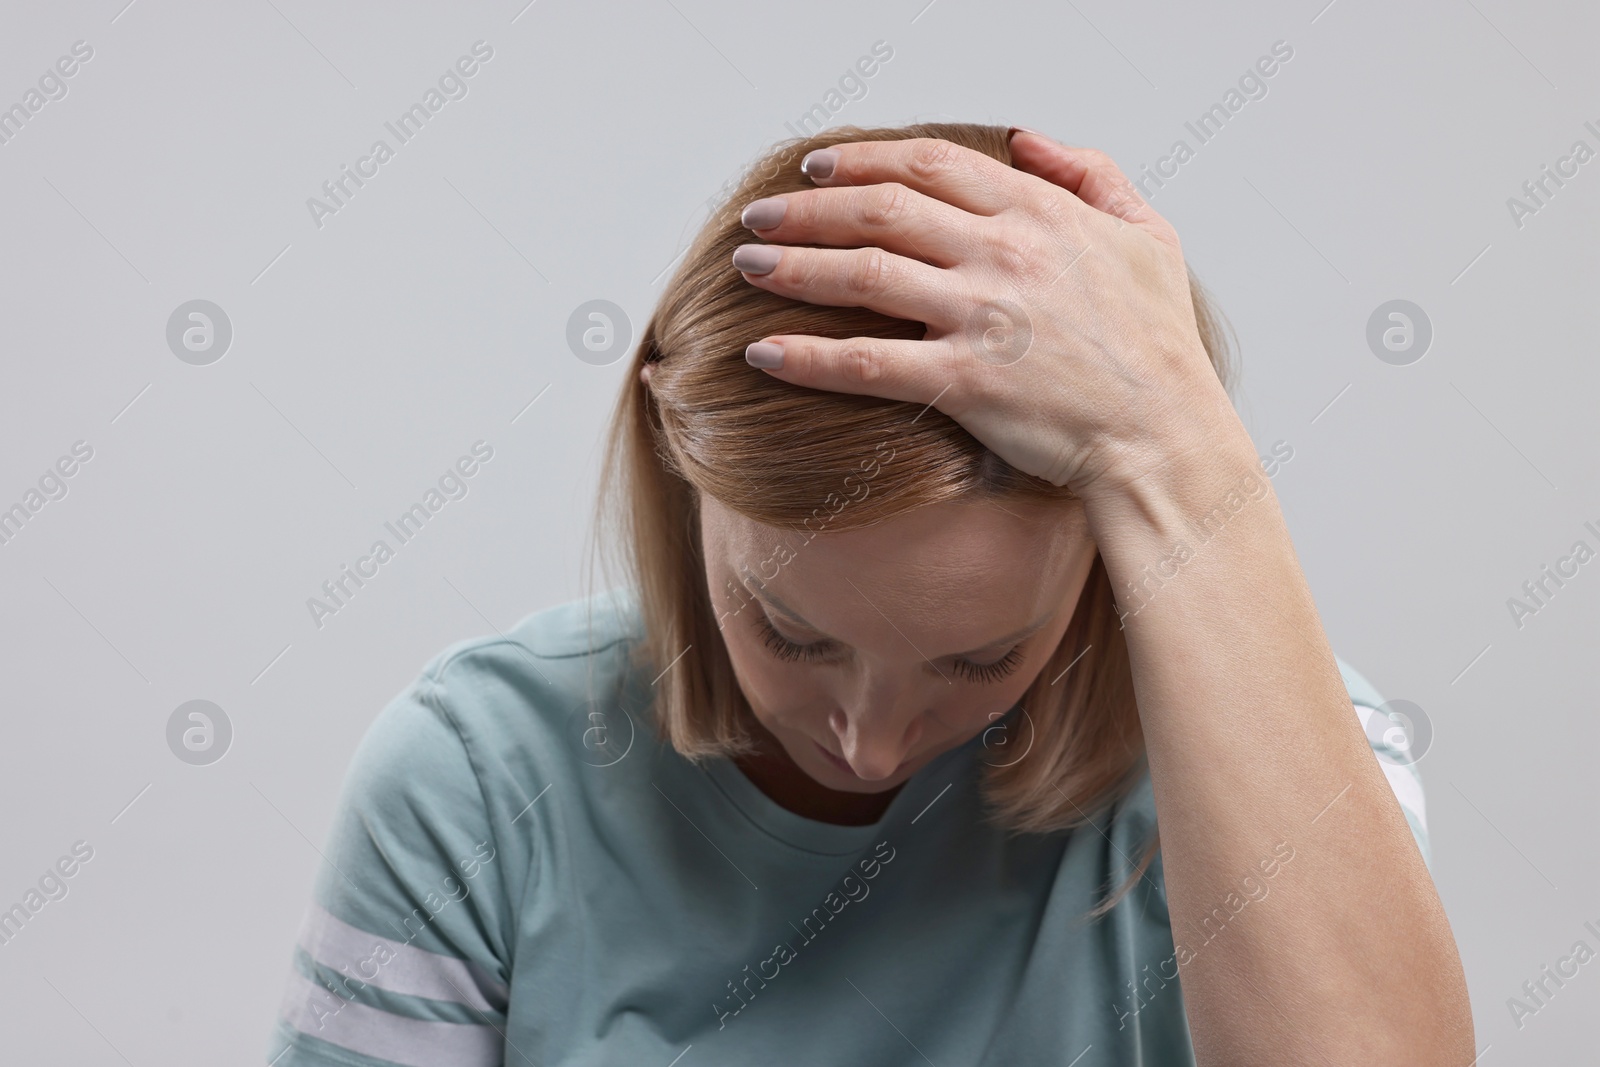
<point>1344,954</point>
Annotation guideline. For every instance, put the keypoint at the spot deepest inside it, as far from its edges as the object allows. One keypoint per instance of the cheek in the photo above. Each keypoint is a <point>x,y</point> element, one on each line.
<point>976,710</point>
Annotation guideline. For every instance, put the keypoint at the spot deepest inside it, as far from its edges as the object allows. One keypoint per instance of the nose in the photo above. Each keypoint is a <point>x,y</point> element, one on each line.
<point>876,741</point>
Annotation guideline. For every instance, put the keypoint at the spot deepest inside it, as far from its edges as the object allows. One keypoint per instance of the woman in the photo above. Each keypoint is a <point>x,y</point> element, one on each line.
<point>937,597</point>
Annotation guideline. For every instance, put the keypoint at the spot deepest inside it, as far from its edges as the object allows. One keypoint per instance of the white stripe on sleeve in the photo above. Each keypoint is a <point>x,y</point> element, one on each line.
<point>313,1010</point>
<point>397,966</point>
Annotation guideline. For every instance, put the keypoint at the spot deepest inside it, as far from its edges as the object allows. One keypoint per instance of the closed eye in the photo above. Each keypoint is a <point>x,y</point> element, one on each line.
<point>785,649</point>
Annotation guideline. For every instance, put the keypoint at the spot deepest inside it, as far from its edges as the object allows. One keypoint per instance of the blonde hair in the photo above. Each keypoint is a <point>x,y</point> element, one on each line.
<point>781,455</point>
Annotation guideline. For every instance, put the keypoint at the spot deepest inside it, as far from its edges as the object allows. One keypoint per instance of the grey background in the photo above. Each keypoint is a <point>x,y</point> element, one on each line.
<point>370,353</point>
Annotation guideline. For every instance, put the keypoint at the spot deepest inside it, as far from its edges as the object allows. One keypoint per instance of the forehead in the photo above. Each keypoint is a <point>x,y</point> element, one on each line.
<point>959,574</point>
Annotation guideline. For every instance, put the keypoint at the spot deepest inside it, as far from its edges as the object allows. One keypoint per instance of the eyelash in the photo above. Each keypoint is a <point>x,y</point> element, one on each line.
<point>786,649</point>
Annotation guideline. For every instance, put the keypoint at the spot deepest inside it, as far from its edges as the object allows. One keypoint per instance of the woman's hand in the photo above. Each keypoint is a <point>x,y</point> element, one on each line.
<point>1060,329</point>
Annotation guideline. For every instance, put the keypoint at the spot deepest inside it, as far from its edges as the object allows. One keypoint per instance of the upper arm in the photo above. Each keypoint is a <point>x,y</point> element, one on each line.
<point>402,957</point>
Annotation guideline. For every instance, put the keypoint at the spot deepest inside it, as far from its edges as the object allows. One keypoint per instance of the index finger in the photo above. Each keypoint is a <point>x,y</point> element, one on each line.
<point>953,173</point>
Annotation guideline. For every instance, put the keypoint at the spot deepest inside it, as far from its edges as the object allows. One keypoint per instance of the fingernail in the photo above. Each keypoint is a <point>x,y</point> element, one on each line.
<point>819,163</point>
<point>757,259</point>
<point>764,354</point>
<point>1024,129</point>
<point>764,214</point>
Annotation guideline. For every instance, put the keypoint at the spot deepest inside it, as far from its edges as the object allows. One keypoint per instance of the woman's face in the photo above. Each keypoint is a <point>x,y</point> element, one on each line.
<point>868,652</point>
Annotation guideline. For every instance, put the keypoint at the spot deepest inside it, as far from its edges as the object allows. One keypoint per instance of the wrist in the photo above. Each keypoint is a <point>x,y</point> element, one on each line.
<point>1203,468</point>
<point>1156,450</point>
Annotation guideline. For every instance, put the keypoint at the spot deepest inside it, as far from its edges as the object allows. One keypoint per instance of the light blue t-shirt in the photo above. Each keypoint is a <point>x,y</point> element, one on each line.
<point>521,873</point>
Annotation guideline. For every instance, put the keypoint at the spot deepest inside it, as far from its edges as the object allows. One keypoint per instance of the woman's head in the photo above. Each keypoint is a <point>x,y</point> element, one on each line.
<point>891,643</point>
<point>903,550</point>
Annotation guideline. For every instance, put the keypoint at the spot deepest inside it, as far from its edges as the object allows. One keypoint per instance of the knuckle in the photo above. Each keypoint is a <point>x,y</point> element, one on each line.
<point>980,385</point>
<point>802,214</point>
<point>867,273</point>
<point>931,157</point>
<point>1055,213</point>
<point>1021,257</point>
<point>801,271</point>
<point>885,205</point>
<point>860,361</point>
<point>1125,197</point>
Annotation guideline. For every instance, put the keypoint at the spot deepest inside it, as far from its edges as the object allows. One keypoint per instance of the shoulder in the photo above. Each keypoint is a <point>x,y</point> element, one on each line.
<point>485,724</point>
<point>455,758</point>
<point>430,853</point>
<point>491,720</point>
<point>576,629</point>
<point>518,685</point>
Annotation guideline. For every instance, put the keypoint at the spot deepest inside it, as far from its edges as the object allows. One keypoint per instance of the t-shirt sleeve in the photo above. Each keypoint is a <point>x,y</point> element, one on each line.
<point>403,954</point>
<point>1398,740</point>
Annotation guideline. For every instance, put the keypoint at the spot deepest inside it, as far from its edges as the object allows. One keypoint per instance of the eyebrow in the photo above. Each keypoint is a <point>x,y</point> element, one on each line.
<point>761,592</point>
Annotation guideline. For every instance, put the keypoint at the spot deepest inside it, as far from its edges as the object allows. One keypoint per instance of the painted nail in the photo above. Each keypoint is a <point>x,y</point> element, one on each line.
<point>819,163</point>
<point>757,259</point>
<point>764,214</point>
<point>764,354</point>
